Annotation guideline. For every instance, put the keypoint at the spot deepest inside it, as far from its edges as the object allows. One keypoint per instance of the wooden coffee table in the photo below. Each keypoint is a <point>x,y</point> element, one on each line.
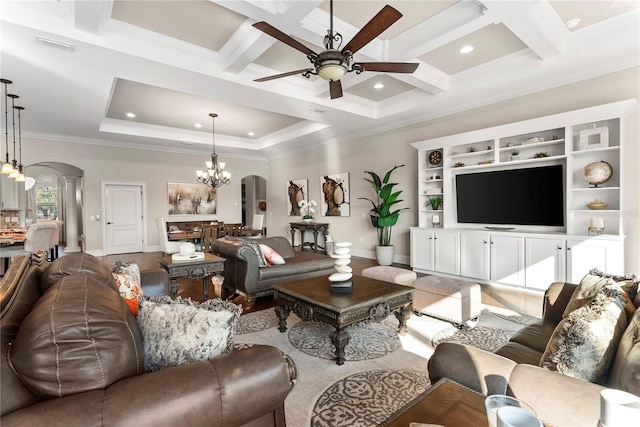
<point>203,268</point>
<point>370,299</point>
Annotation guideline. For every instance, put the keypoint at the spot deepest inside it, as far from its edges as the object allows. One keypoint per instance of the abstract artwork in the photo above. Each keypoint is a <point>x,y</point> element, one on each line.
<point>296,191</point>
<point>335,191</point>
<point>192,199</point>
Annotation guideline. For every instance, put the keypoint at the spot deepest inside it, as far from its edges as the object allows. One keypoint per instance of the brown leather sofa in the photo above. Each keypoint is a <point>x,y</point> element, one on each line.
<point>513,369</point>
<point>103,382</point>
<point>243,274</point>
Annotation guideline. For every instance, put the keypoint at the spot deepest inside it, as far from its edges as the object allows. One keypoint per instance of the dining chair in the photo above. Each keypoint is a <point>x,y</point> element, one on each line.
<point>38,238</point>
<point>232,229</point>
<point>166,246</point>
<point>55,239</point>
<point>256,227</point>
<point>209,234</point>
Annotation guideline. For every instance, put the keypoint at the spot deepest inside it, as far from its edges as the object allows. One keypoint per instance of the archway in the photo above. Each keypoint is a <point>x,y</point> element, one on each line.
<point>62,185</point>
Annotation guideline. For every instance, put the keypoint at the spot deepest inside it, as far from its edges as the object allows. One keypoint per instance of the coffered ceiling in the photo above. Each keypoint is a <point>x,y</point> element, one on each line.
<point>80,66</point>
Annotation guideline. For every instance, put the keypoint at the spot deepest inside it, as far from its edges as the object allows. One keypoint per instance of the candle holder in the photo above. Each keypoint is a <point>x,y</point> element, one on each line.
<point>435,221</point>
<point>595,230</point>
<point>596,226</point>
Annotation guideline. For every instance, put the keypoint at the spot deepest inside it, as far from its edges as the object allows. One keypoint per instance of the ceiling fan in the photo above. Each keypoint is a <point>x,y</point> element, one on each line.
<point>331,64</point>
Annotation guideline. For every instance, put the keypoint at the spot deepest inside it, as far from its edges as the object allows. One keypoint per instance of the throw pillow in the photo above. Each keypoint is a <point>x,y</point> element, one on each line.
<point>584,343</point>
<point>272,257</point>
<point>79,336</point>
<point>179,331</point>
<point>593,282</point>
<point>262,262</point>
<point>127,276</point>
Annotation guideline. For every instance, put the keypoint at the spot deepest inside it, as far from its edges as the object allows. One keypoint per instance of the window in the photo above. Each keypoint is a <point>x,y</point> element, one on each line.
<point>47,197</point>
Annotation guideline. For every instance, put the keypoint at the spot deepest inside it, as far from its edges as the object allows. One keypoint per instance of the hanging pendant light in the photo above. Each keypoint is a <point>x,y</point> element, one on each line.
<point>6,166</point>
<point>20,177</point>
<point>14,163</point>
<point>215,176</point>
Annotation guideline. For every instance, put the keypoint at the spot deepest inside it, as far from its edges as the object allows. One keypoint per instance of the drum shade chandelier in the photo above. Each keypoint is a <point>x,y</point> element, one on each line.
<point>215,176</point>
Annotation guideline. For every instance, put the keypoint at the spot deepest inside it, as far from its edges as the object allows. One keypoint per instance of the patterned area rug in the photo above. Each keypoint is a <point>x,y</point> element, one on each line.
<point>367,398</point>
<point>256,322</point>
<point>368,340</point>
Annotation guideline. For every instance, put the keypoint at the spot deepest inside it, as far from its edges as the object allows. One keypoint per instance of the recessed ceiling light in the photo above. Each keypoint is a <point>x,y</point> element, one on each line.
<point>198,125</point>
<point>466,49</point>
<point>572,23</point>
<point>131,115</point>
<point>251,134</point>
<point>378,86</point>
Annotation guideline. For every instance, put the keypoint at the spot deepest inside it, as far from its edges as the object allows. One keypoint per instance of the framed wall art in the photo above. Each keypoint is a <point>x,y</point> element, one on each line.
<point>297,189</point>
<point>192,199</point>
<point>594,138</point>
<point>335,195</point>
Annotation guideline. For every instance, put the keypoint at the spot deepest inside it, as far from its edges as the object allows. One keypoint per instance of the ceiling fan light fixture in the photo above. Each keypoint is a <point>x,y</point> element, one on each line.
<point>332,71</point>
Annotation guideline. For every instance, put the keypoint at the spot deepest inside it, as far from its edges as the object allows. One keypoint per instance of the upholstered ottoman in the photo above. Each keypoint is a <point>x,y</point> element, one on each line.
<point>448,299</point>
<point>390,274</point>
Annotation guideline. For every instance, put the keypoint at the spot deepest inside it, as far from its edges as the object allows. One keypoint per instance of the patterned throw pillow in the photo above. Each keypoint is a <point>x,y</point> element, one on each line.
<point>272,257</point>
<point>584,343</point>
<point>595,281</point>
<point>127,276</point>
<point>179,331</point>
<point>262,262</point>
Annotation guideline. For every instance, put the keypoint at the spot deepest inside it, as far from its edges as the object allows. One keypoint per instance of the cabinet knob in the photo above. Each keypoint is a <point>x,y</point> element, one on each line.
<point>559,248</point>
<point>568,249</point>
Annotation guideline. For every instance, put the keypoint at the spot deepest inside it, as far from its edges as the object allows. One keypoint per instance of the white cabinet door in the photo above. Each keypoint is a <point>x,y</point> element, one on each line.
<point>507,260</point>
<point>545,262</point>
<point>447,252</point>
<point>588,253</point>
<point>422,249</point>
<point>474,255</point>
<point>8,193</point>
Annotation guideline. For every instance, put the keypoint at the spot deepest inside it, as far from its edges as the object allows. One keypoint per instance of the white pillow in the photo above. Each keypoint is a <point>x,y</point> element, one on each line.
<point>272,257</point>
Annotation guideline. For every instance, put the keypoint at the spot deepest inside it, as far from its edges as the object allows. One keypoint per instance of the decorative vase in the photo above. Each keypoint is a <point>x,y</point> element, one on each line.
<point>384,254</point>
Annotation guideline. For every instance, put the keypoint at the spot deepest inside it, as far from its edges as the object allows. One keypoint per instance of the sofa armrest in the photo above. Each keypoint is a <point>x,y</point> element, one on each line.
<point>213,392</point>
<point>477,369</point>
<point>556,298</point>
<point>551,394</point>
<point>155,282</point>
<point>240,266</point>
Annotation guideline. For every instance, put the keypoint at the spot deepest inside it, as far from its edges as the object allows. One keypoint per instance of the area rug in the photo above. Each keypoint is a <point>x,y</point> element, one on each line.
<point>367,398</point>
<point>365,389</point>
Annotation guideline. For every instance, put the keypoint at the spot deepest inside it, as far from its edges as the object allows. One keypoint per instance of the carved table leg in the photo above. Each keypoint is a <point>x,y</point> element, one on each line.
<point>403,314</point>
<point>205,288</point>
<point>340,338</point>
<point>283,312</point>
<point>174,288</point>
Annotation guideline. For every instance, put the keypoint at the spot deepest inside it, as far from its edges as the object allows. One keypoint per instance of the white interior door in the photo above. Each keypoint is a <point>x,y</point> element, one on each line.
<point>123,218</point>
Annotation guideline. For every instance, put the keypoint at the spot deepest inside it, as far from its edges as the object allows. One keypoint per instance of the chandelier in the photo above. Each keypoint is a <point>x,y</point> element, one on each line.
<point>7,167</point>
<point>215,175</point>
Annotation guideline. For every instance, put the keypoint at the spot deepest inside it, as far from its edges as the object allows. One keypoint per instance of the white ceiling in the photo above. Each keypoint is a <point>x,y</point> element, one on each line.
<point>173,62</point>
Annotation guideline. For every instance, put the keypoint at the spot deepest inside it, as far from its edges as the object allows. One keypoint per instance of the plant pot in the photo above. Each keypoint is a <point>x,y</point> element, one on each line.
<point>384,254</point>
<point>307,220</point>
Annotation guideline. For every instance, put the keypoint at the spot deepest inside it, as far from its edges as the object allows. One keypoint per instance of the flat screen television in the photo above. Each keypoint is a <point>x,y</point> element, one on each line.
<point>532,196</point>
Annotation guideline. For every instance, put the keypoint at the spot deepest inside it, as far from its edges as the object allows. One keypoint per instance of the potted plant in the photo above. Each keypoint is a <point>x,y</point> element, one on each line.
<point>307,209</point>
<point>435,203</point>
<point>383,218</point>
<point>515,155</point>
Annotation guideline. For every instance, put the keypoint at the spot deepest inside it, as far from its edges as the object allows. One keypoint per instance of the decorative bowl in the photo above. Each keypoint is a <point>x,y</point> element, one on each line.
<point>596,205</point>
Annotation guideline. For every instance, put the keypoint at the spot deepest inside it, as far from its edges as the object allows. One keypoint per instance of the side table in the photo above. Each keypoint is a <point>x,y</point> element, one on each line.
<point>315,227</point>
<point>210,265</point>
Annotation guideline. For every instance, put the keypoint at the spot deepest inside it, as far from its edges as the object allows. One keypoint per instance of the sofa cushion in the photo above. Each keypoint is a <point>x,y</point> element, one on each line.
<point>519,353</point>
<point>584,343</point>
<point>79,336</point>
<point>593,282</point>
<point>536,335</point>
<point>127,278</point>
<point>255,247</point>
<point>625,370</point>
<point>303,262</point>
<point>178,331</point>
<point>76,262</point>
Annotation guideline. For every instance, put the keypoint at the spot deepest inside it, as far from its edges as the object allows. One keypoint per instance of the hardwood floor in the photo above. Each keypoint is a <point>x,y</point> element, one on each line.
<point>505,297</point>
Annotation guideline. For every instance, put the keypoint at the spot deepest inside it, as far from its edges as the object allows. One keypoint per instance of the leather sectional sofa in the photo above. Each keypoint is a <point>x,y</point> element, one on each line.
<point>513,369</point>
<point>243,273</point>
<point>102,380</point>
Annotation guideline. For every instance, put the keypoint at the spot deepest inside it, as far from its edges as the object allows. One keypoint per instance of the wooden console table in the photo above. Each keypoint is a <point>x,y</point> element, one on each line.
<point>315,227</point>
<point>210,265</point>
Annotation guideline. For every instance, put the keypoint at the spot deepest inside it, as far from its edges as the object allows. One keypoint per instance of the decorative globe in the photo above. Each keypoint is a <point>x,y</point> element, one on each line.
<point>597,173</point>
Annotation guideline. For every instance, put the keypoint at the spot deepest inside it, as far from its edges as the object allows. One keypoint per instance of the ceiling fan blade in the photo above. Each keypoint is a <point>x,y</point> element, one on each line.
<point>383,20</point>
<point>335,89</point>
<point>388,67</point>
<point>278,76</point>
<point>284,38</point>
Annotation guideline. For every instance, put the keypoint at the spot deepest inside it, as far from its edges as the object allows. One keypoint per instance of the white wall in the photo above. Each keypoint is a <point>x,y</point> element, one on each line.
<point>155,169</point>
<point>381,151</point>
<point>377,153</point>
